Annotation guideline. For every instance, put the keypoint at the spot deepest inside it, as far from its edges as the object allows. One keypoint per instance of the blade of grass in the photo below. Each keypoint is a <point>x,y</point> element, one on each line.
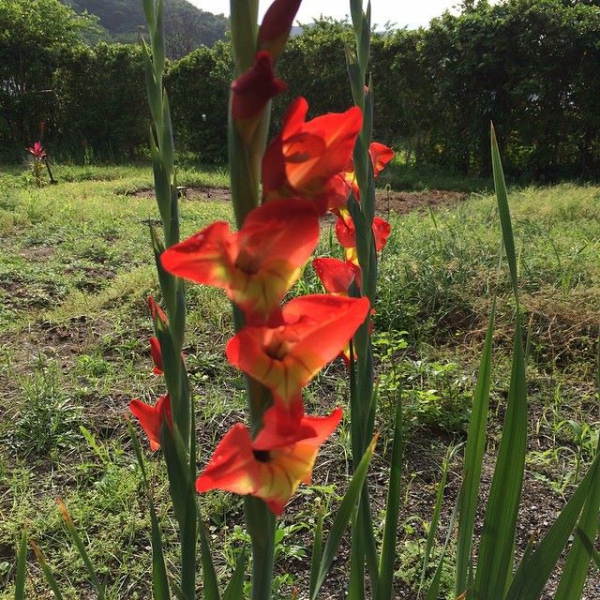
<point>437,510</point>
<point>342,517</point>
<point>433,593</point>
<point>530,578</point>
<point>390,526</point>
<point>473,460</point>
<point>317,552</point>
<point>47,571</point>
<point>234,589</point>
<point>81,549</point>
<point>21,567</point>
<point>495,559</point>
<point>160,581</point>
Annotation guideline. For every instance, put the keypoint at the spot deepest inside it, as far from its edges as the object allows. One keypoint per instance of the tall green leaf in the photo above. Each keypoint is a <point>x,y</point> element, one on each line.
<point>21,567</point>
<point>532,576</point>
<point>342,517</point>
<point>211,585</point>
<point>473,461</point>
<point>234,589</point>
<point>495,559</point>
<point>317,553</point>
<point>390,526</point>
<point>578,562</point>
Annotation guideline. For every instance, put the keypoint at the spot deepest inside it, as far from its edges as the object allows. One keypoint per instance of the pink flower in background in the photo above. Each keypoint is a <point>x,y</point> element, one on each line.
<point>37,150</point>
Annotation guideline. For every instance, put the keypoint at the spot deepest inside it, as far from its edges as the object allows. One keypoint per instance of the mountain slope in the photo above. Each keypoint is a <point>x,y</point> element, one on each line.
<point>186,26</point>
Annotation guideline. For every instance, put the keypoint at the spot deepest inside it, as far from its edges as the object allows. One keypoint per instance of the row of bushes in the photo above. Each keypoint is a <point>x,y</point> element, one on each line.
<point>529,65</point>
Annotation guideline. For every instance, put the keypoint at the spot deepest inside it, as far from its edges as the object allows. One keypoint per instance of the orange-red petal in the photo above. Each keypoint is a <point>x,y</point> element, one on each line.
<point>303,160</point>
<point>272,473</point>
<point>380,157</point>
<point>257,265</point>
<point>285,358</point>
<point>151,417</point>
<point>336,275</point>
<point>346,232</point>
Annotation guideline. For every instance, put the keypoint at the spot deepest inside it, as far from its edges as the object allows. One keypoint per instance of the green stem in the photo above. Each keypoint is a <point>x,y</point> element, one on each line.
<point>260,522</point>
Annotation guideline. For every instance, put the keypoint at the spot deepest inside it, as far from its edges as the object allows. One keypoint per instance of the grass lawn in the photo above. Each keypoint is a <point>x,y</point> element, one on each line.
<point>75,273</point>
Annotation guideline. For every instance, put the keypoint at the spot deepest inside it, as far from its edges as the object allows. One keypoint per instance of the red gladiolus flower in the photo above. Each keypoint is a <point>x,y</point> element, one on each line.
<point>276,24</point>
<point>336,275</point>
<point>272,469</point>
<point>156,312</point>
<point>37,151</point>
<point>312,332</point>
<point>151,417</point>
<point>346,234</point>
<point>156,354</point>
<point>257,265</point>
<point>252,90</point>
<point>305,158</point>
<point>380,157</point>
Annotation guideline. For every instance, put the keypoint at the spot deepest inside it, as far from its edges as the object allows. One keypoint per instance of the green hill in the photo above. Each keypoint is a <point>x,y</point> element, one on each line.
<point>186,26</point>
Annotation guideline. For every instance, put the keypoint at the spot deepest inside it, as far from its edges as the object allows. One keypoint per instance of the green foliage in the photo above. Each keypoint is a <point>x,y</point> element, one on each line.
<point>501,62</point>
<point>114,125</point>
<point>314,66</point>
<point>48,424</point>
<point>35,37</point>
<point>79,231</point>
<point>437,88</point>
<point>197,86</point>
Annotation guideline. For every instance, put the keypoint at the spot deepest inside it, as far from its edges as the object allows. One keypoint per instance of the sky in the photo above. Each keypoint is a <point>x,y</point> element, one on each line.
<point>403,13</point>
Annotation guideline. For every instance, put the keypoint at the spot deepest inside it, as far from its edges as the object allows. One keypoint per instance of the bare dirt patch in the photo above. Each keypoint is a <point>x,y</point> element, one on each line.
<point>386,200</point>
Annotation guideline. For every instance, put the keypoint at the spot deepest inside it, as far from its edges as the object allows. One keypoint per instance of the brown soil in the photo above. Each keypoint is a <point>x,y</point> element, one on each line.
<point>387,201</point>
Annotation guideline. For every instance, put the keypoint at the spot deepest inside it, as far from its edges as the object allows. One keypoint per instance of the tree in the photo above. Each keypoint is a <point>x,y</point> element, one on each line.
<point>35,36</point>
